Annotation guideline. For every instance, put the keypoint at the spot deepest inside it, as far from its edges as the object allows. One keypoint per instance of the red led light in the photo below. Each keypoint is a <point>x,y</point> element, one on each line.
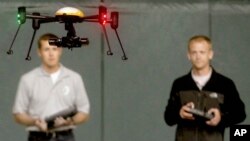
<point>104,22</point>
<point>104,19</point>
<point>103,15</point>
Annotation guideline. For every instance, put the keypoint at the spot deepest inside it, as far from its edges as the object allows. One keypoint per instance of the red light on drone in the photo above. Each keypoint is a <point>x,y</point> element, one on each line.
<point>104,20</point>
<point>102,15</point>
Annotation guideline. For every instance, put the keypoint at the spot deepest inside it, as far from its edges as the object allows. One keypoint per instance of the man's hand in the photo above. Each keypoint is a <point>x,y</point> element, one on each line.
<point>184,111</point>
<point>60,121</point>
<point>216,119</point>
<point>41,124</point>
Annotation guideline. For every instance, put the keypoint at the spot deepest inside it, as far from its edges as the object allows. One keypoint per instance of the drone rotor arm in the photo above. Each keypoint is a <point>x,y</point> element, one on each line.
<point>48,20</point>
<point>32,16</point>
<point>91,17</point>
<point>90,20</point>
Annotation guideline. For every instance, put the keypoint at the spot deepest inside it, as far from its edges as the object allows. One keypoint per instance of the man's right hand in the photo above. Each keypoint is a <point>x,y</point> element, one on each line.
<point>184,111</point>
<point>41,124</point>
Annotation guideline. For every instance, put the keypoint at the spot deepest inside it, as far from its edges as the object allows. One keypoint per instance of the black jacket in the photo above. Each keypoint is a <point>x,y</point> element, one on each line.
<point>219,92</point>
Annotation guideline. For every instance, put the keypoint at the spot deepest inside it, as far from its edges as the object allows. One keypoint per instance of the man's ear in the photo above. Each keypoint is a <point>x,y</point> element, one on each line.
<point>39,52</point>
<point>60,50</point>
<point>188,56</point>
<point>211,54</point>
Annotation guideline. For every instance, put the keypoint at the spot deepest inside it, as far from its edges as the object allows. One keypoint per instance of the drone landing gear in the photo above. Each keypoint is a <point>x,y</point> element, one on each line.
<point>114,26</point>
<point>124,57</point>
<point>28,58</point>
<point>10,51</point>
<point>109,52</point>
<point>36,26</point>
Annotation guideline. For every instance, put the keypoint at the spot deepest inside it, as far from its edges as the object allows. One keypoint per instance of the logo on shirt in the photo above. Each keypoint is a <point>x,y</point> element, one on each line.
<point>213,95</point>
<point>66,90</point>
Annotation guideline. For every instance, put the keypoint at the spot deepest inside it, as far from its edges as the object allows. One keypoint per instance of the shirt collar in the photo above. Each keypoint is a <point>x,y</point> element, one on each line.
<point>212,77</point>
<point>62,69</point>
<point>207,76</point>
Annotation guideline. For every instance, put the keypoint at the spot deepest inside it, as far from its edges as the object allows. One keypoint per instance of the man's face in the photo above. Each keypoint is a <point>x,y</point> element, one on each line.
<point>50,55</point>
<point>200,53</point>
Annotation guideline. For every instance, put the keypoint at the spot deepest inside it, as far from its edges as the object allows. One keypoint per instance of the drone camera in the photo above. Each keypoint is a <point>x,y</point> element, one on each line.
<point>102,15</point>
<point>67,42</point>
<point>55,41</point>
<point>21,15</point>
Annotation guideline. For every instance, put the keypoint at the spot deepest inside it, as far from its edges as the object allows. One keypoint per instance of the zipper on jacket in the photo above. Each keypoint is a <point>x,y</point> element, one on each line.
<point>199,106</point>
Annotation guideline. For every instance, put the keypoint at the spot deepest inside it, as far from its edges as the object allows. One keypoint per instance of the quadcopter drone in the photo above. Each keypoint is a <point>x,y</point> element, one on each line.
<point>69,16</point>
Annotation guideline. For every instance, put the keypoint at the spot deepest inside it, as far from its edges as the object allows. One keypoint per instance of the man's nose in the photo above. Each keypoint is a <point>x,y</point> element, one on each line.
<point>51,53</point>
<point>198,56</point>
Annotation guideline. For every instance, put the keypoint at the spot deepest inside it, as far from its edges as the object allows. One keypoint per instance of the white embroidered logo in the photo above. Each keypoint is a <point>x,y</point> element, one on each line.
<point>66,90</point>
<point>213,95</point>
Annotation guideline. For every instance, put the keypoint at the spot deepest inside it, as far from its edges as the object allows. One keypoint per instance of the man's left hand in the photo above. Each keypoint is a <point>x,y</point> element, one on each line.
<point>60,121</point>
<point>216,119</point>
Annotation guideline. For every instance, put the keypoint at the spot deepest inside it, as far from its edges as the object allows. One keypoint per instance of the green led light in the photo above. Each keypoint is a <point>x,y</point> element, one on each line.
<point>21,15</point>
<point>18,19</point>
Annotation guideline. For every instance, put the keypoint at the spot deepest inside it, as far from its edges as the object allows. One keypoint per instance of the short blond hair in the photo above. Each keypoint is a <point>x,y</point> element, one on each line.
<point>45,37</point>
<point>200,38</point>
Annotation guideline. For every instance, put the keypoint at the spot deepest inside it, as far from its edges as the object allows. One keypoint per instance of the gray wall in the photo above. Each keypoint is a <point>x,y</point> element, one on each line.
<point>135,91</point>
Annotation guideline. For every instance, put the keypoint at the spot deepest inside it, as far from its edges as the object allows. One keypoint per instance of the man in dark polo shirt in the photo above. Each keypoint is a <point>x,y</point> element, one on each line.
<point>205,90</point>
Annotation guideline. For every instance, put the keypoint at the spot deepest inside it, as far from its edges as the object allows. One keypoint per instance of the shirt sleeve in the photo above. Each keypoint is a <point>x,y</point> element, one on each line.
<point>22,99</point>
<point>81,101</point>
<point>234,108</point>
<point>171,114</point>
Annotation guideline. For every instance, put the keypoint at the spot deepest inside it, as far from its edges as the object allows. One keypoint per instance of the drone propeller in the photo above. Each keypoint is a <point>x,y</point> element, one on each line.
<point>32,6</point>
<point>94,5</point>
<point>97,6</point>
<point>26,6</point>
<point>122,10</point>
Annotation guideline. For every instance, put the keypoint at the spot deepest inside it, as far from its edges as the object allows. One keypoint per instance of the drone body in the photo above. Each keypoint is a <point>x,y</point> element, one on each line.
<point>70,11</point>
<point>69,16</point>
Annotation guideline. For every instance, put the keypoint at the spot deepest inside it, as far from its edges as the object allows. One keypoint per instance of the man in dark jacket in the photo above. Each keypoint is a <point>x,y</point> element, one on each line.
<point>207,91</point>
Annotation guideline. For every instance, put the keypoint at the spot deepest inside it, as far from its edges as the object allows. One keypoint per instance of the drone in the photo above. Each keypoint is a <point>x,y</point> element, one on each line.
<point>69,16</point>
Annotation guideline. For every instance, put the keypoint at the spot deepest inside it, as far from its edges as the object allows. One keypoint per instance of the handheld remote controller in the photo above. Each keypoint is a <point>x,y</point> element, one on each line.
<point>202,114</point>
